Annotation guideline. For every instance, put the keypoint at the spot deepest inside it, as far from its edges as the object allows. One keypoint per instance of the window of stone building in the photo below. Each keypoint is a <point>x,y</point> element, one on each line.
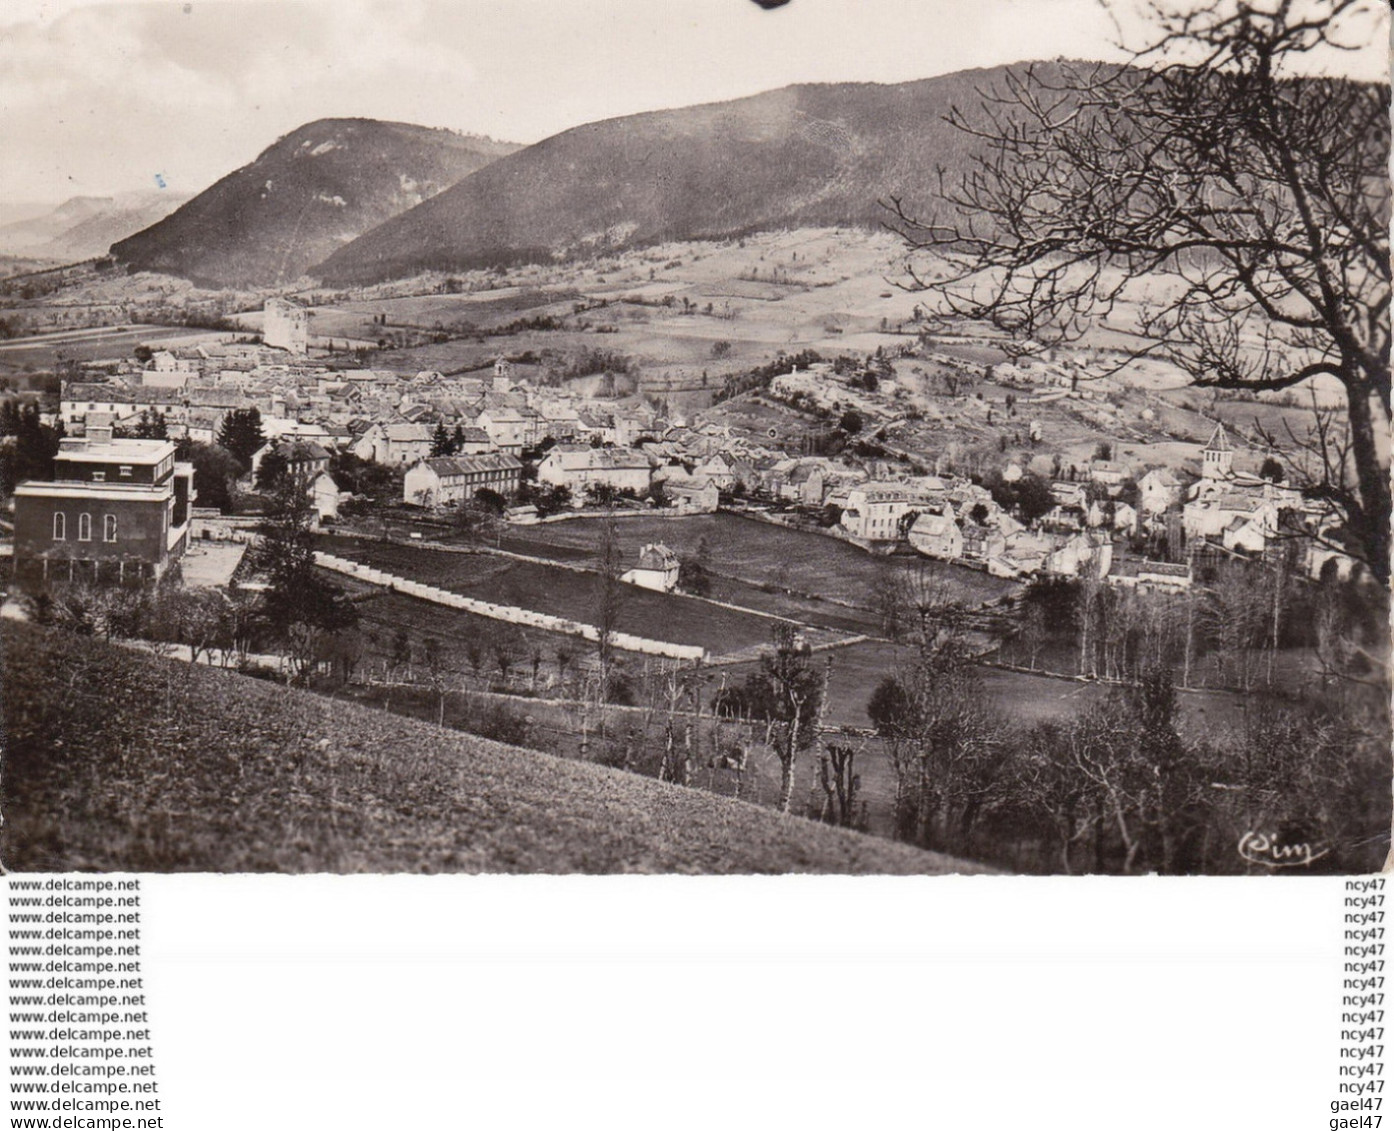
<point>84,528</point>
<point>60,526</point>
<point>109,528</point>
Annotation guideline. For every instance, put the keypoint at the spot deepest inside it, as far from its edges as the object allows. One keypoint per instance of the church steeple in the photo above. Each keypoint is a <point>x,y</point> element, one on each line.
<point>1218,455</point>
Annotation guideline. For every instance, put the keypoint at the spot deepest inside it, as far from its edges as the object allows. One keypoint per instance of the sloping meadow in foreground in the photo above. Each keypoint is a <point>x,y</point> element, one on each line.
<point>120,761</point>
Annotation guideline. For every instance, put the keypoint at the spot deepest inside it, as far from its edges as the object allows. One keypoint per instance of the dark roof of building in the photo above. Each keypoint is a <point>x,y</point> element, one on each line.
<point>300,451</point>
<point>468,465</point>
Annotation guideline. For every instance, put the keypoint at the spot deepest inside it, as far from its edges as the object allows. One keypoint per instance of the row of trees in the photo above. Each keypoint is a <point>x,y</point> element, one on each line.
<point>1238,626</point>
<point>788,690</point>
<point>445,443</point>
<point>31,453</point>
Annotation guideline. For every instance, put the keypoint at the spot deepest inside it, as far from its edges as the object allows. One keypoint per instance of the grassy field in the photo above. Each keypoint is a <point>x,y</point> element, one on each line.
<point>633,738</point>
<point>119,761</point>
<point>384,614</point>
<point>564,593</point>
<point>1022,698</point>
<point>753,551</point>
<point>612,735</point>
<point>114,343</point>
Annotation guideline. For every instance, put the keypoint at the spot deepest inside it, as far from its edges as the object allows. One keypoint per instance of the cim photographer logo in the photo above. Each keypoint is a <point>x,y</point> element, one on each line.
<point>1278,850</point>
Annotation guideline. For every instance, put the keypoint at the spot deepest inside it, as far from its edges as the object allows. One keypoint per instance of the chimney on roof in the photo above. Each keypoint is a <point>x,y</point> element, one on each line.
<point>98,427</point>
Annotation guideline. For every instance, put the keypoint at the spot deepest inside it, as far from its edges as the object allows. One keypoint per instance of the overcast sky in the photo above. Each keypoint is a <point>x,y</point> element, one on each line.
<point>96,98</point>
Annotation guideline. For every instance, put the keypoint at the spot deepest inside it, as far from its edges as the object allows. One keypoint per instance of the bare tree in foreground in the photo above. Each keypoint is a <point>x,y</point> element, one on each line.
<point>1228,171</point>
<point>609,598</point>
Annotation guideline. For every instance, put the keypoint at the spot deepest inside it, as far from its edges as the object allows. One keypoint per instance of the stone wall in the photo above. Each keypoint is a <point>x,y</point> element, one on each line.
<point>510,613</point>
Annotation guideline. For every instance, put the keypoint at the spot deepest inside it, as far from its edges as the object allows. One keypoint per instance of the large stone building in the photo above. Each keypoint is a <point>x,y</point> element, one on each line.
<point>286,325</point>
<point>581,467</point>
<point>874,510</point>
<point>451,479</point>
<point>116,510</point>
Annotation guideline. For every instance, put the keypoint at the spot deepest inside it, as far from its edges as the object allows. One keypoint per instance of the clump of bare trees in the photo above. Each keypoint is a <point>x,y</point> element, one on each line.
<point>1228,189</point>
<point>609,598</point>
<point>788,691</point>
<point>944,741</point>
<point>1119,785</point>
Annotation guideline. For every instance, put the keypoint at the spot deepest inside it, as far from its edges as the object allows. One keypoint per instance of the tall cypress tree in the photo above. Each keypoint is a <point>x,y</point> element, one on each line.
<point>440,442</point>
<point>241,434</point>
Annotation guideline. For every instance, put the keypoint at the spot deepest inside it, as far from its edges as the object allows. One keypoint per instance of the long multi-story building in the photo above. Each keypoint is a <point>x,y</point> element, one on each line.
<point>451,479</point>
<point>580,467</point>
<point>874,510</point>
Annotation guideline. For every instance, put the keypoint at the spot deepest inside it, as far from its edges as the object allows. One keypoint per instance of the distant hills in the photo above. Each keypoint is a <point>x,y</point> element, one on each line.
<point>311,192</point>
<point>799,156</point>
<point>85,226</point>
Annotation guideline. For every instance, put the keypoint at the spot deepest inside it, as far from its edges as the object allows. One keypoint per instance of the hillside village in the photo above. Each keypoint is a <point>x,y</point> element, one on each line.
<point>444,440</point>
<point>495,527</point>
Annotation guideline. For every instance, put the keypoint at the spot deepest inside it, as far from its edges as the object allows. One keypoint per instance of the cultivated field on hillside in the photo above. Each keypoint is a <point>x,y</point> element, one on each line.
<point>43,352</point>
<point>564,593</point>
<point>122,762</point>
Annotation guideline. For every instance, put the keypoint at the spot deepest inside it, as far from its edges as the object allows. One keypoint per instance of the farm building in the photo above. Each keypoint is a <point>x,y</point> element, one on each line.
<point>451,479</point>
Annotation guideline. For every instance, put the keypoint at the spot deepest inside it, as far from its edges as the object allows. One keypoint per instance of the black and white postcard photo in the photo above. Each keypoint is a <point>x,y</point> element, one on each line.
<point>630,436</point>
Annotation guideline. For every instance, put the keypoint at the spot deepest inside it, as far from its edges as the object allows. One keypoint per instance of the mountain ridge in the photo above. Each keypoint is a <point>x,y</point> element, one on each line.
<point>810,154</point>
<point>310,191</point>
